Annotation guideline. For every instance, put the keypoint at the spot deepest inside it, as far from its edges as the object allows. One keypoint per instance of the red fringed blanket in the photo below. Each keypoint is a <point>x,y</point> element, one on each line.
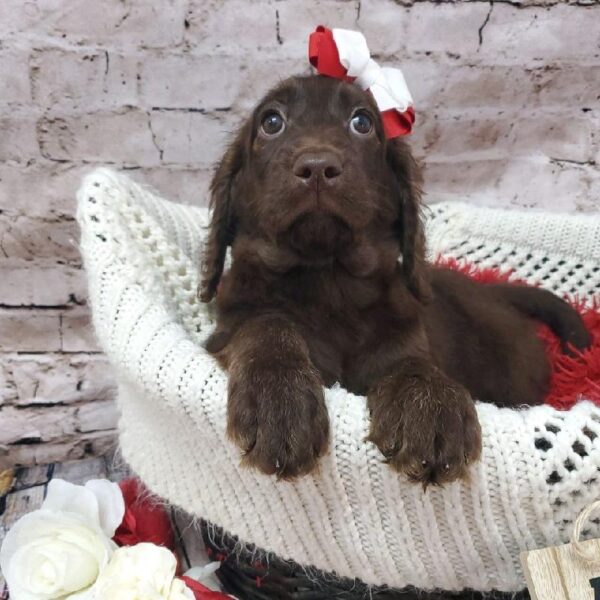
<point>573,377</point>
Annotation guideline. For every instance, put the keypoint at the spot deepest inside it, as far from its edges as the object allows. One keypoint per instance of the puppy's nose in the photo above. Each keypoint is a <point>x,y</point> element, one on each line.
<point>312,167</point>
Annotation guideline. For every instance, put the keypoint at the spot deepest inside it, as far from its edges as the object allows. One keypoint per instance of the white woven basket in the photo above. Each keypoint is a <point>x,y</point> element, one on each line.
<point>355,517</point>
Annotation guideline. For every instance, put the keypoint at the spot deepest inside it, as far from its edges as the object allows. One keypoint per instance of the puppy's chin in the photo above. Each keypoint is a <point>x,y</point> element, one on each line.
<point>318,235</point>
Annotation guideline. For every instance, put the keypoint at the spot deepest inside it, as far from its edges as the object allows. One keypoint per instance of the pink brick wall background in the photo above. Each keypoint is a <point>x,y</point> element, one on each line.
<point>508,101</point>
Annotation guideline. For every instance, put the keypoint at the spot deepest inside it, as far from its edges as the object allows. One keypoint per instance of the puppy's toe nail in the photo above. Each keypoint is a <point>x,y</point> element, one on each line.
<point>424,463</point>
<point>447,467</point>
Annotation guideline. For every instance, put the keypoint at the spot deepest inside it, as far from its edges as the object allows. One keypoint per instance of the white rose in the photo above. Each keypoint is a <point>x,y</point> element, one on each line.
<point>60,549</point>
<point>141,572</point>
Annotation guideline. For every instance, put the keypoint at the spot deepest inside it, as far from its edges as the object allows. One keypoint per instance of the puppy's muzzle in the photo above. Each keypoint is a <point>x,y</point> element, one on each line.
<point>317,169</point>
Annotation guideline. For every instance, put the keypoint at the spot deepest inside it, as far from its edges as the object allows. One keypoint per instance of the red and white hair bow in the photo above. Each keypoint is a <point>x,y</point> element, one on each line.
<point>344,54</point>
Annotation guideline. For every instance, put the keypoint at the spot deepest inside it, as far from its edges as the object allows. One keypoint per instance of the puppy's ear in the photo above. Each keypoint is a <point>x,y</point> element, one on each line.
<point>407,188</point>
<point>223,223</point>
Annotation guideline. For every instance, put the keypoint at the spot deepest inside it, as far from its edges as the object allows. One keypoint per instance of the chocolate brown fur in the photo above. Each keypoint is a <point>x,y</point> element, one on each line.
<point>317,218</point>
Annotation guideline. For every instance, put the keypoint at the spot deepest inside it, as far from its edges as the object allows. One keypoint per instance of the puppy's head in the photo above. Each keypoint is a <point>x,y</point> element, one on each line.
<point>309,175</point>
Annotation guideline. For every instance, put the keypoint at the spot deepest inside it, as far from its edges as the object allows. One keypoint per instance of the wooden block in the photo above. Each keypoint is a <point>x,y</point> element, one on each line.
<point>559,573</point>
<point>6,481</point>
<point>32,476</point>
<point>20,503</point>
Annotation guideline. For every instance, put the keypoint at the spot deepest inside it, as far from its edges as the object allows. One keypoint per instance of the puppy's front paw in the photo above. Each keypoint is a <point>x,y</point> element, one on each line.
<point>426,427</point>
<point>278,418</point>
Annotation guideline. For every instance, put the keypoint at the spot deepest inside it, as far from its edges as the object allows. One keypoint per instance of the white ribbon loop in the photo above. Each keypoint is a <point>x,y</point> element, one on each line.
<point>387,84</point>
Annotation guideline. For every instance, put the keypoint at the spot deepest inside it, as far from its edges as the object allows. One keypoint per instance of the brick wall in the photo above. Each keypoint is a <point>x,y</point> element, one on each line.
<point>507,95</point>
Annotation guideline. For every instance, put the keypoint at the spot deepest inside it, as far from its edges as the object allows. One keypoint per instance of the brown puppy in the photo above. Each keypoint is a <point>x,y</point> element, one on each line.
<point>318,208</point>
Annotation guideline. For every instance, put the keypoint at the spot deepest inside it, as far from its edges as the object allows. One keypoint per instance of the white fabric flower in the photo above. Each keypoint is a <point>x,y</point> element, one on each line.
<point>141,572</point>
<point>60,549</point>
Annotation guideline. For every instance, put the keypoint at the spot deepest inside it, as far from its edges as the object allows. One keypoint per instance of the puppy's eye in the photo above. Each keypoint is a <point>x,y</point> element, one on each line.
<point>361,123</point>
<point>272,123</point>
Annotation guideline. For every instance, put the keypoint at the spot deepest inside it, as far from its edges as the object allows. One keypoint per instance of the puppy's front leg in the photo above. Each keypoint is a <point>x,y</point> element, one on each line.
<point>276,409</point>
<point>424,423</point>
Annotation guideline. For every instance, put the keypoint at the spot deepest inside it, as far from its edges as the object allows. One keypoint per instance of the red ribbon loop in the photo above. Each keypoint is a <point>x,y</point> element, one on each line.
<point>397,123</point>
<point>323,54</point>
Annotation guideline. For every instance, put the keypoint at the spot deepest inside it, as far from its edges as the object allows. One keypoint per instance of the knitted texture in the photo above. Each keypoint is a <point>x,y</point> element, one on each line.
<point>356,516</point>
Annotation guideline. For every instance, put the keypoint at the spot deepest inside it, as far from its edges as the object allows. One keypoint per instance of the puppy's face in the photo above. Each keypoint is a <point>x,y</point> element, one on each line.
<point>310,177</point>
<point>315,173</point>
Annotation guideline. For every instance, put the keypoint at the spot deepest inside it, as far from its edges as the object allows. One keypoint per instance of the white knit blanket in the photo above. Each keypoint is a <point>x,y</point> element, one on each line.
<point>355,517</point>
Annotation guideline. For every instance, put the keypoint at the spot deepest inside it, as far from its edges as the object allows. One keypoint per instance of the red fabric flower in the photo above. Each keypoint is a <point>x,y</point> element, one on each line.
<point>145,520</point>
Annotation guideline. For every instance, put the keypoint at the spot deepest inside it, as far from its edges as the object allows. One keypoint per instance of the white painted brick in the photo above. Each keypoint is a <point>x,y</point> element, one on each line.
<point>45,240</point>
<point>551,2</point>
<point>205,86</point>
<point>595,127</point>
<point>259,77</point>
<point>443,28</point>
<point>537,34</point>
<point>31,425</point>
<point>8,389</point>
<point>77,331</point>
<point>148,23</point>
<point>44,191</point>
<point>297,19</point>
<point>479,87</point>
<point>177,80</point>
<point>555,137</point>
<point>586,205</point>
<point>463,181</point>
<point>545,185</point>
<point>189,138</point>
<point>76,447</point>
<point>18,141</point>
<point>255,31</point>
<point>85,81</point>
<point>523,184</point>
<point>42,286</point>
<point>113,137</point>
<point>592,202</point>
<point>16,16</point>
<point>14,75</point>
<point>97,416</point>
<point>22,331</point>
<point>57,379</point>
<point>384,23</point>
<point>426,79</point>
<point>570,86</point>
<point>463,139</point>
